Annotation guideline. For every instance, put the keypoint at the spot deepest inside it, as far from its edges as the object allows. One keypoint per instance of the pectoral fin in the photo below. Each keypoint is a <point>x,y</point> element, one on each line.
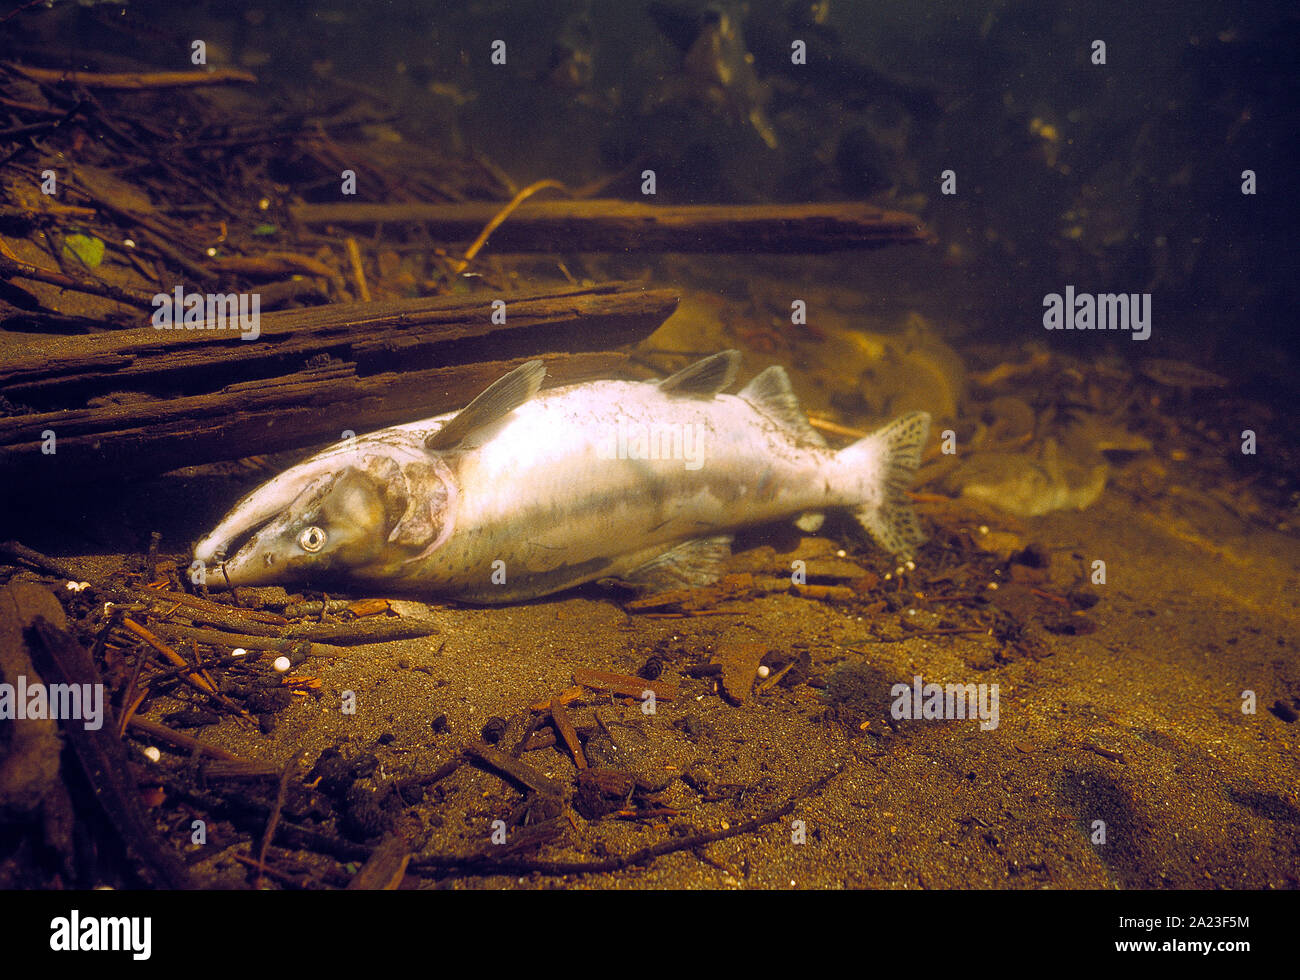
<point>688,565</point>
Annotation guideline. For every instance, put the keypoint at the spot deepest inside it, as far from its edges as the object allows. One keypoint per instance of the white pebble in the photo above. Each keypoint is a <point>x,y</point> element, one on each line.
<point>993,586</point>
<point>152,753</point>
<point>239,652</point>
<point>984,529</point>
<point>764,670</point>
<point>842,553</point>
<point>911,566</point>
<point>281,664</point>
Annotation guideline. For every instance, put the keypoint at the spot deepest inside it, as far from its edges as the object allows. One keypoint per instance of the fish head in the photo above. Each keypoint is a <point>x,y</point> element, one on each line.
<point>360,521</point>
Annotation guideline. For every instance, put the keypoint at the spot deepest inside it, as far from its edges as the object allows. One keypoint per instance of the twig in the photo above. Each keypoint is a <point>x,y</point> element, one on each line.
<point>358,272</point>
<point>250,642</point>
<point>189,676</point>
<point>289,770</point>
<point>134,80</point>
<point>12,268</point>
<point>834,428</point>
<point>565,727</point>
<point>231,612</point>
<point>487,865</point>
<point>501,216</point>
<point>188,742</point>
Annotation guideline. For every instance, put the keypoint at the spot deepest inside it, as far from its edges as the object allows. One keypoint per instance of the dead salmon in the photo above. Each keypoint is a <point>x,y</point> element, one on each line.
<point>526,492</point>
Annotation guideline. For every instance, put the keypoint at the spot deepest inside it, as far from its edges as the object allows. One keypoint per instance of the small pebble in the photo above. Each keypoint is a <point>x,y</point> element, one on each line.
<point>984,529</point>
<point>239,652</point>
<point>993,586</point>
<point>842,553</point>
<point>764,670</point>
<point>152,754</point>
<point>281,664</point>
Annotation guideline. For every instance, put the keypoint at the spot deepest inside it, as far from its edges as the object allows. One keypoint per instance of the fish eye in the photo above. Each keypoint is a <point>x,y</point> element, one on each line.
<point>312,539</point>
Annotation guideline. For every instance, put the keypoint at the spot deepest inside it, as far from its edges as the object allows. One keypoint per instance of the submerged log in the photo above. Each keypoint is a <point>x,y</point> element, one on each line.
<point>155,400</point>
<point>373,337</point>
<point>252,418</point>
<point>599,225</point>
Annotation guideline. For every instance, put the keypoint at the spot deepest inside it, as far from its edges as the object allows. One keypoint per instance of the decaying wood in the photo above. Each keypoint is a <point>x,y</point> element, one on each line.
<point>185,400</point>
<point>134,80</point>
<point>61,659</point>
<point>14,269</point>
<point>420,333</point>
<point>605,225</point>
<point>309,408</point>
<point>625,684</point>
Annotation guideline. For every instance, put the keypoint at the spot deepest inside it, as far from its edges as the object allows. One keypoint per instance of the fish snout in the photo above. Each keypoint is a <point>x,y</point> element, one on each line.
<point>251,565</point>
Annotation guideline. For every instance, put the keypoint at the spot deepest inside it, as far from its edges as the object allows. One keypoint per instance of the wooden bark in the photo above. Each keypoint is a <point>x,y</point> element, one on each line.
<point>54,372</point>
<point>183,397</point>
<point>598,225</point>
<point>267,415</point>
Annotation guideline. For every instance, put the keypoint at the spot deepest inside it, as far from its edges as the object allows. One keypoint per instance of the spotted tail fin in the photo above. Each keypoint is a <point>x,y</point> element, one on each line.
<point>896,451</point>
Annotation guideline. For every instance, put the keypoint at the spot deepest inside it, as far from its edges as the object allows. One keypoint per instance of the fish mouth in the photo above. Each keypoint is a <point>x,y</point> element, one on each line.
<point>251,563</point>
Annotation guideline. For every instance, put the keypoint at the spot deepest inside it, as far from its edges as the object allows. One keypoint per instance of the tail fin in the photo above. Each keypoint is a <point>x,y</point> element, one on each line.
<point>898,446</point>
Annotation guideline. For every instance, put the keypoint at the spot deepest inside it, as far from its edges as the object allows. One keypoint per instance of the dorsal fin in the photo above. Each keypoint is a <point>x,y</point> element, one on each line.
<point>498,399</point>
<point>704,378</point>
<point>771,394</point>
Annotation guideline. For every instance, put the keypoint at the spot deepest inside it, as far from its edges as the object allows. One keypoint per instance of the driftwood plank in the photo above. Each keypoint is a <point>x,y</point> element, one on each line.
<point>255,417</point>
<point>403,335</point>
<point>599,225</point>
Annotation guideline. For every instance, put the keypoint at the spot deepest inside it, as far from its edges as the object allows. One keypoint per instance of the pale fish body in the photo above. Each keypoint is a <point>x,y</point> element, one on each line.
<point>523,494</point>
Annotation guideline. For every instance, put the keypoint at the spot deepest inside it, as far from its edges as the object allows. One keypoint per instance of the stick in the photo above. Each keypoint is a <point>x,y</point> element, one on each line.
<point>134,80</point>
<point>290,768</point>
<point>500,217</point>
<point>607,225</point>
<point>486,865</point>
<point>164,734</point>
<point>13,268</point>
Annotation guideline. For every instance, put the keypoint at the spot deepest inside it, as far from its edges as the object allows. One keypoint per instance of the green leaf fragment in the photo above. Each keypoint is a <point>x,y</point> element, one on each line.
<point>85,248</point>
